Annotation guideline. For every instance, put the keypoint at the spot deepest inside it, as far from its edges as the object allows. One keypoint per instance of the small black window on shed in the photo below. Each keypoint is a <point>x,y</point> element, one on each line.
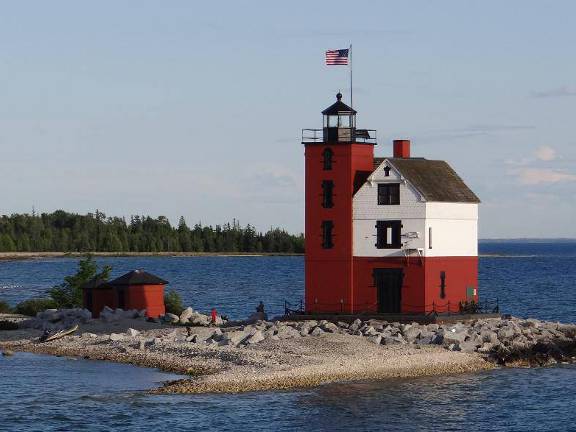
<point>388,194</point>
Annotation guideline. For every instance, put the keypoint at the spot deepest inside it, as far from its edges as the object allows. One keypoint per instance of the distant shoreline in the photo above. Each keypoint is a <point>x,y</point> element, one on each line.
<point>12,256</point>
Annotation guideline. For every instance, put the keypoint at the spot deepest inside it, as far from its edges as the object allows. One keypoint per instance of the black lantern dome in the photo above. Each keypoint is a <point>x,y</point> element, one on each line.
<point>339,121</point>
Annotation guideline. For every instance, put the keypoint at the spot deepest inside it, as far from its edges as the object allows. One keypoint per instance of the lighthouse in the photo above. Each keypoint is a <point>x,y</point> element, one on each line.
<point>395,234</point>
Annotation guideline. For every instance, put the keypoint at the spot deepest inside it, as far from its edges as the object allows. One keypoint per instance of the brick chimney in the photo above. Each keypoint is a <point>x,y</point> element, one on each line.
<point>401,148</point>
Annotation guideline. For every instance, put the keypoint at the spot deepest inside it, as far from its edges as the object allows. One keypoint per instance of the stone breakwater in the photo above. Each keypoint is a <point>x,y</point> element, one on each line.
<point>499,340</point>
<point>286,354</point>
<point>59,319</point>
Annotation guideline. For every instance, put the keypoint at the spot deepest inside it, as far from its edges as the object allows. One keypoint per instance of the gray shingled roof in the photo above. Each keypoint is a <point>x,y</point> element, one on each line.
<point>435,180</point>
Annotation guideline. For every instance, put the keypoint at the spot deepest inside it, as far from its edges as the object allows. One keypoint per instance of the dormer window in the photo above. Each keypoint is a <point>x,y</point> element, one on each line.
<point>327,162</point>
<point>388,194</point>
<point>387,171</point>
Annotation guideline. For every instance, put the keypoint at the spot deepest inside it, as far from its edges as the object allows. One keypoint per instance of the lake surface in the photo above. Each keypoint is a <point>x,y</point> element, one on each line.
<point>530,279</point>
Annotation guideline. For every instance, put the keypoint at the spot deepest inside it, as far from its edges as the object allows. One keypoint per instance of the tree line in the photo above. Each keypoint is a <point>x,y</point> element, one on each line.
<point>61,231</point>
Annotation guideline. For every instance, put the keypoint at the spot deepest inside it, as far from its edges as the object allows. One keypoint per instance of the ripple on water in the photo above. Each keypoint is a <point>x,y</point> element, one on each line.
<point>111,397</point>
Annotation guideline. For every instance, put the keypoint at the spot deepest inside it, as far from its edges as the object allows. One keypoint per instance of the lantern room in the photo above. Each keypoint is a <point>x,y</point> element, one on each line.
<point>339,123</point>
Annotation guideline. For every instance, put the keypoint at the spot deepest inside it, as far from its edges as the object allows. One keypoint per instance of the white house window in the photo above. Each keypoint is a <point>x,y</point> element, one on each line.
<point>388,194</point>
<point>388,234</point>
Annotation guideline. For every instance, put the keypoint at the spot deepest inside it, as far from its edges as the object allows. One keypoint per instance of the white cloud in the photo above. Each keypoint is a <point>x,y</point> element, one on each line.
<point>534,176</point>
<point>556,92</point>
<point>545,153</point>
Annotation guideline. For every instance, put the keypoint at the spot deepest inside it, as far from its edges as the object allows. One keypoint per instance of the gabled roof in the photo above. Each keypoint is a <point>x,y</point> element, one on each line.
<point>137,277</point>
<point>338,107</point>
<point>96,283</point>
<point>435,180</point>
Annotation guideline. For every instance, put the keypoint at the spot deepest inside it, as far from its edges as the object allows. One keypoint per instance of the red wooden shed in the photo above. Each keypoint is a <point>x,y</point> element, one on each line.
<point>134,290</point>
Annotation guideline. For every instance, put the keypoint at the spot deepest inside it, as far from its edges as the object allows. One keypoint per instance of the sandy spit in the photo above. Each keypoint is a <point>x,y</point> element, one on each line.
<point>269,365</point>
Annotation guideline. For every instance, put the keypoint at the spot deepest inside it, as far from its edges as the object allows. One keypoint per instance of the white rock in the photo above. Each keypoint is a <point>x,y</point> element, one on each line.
<point>116,337</point>
<point>330,327</point>
<point>185,315</point>
<point>255,337</point>
<point>133,333</point>
<point>317,331</point>
<point>375,339</point>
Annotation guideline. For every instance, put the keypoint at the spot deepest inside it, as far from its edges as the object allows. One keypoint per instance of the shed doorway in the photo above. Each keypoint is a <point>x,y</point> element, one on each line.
<point>388,284</point>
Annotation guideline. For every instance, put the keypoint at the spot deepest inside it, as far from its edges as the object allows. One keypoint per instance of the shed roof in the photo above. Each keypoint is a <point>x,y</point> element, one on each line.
<point>138,277</point>
<point>96,283</point>
<point>434,179</point>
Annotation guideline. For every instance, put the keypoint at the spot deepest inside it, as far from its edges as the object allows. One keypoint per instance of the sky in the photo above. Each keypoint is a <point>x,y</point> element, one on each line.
<point>195,109</point>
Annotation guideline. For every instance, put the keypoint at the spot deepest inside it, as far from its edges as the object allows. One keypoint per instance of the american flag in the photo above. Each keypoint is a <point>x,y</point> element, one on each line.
<point>337,57</point>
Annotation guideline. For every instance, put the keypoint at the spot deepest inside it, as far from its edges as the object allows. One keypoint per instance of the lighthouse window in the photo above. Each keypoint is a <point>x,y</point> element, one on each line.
<point>327,189</point>
<point>387,171</point>
<point>388,234</point>
<point>442,284</point>
<point>327,227</point>
<point>327,154</point>
<point>388,194</point>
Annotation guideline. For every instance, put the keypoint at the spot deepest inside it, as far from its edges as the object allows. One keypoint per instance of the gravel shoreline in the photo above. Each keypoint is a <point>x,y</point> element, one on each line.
<point>267,355</point>
<point>268,365</point>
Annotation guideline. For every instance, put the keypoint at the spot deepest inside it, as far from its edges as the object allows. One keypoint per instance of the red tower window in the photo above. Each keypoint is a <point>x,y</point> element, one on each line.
<point>388,194</point>
<point>327,228</point>
<point>327,193</point>
<point>327,162</point>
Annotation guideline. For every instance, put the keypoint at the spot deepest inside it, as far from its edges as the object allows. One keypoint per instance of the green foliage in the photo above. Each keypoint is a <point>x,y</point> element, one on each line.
<point>32,306</point>
<point>5,307</point>
<point>67,232</point>
<point>173,302</point>
<point>69,293</point>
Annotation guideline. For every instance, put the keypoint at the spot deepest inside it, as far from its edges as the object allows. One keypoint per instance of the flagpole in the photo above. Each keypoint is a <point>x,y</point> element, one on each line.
<point>351,101</point>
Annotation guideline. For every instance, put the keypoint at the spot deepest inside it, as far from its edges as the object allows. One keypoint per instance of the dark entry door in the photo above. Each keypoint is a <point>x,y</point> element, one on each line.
<point>389,288</point>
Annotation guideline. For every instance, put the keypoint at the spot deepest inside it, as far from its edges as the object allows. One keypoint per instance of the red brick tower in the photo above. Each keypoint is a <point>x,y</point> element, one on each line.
<point>339,157</point>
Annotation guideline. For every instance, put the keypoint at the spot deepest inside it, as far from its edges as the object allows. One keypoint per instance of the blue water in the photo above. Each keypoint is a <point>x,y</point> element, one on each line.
<point>530,279</point>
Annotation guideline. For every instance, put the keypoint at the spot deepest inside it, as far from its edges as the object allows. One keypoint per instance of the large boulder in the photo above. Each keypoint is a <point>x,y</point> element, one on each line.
<point>489,336</point>
<point>330,327</point>
<point>455,336</point>
<point>199,319</point>
<point>233,338</point>
<point>412,333</point>
<point>254,338</point>
<point>356,324</point>
<point>317,331</point>
<point>376,339</point>
<point>287,332</point>
<point>185,315</point>
<point>171,318</point>
<point>506,333</point>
